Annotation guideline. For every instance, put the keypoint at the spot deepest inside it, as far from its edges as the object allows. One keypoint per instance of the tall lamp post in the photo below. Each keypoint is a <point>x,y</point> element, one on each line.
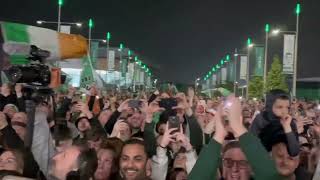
<point>294,83</point>
<point>249,45</point>
<point>267,30</point>
<point>60,3</point>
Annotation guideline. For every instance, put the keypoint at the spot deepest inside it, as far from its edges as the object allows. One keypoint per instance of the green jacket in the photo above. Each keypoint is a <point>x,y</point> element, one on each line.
<point>261,163</point>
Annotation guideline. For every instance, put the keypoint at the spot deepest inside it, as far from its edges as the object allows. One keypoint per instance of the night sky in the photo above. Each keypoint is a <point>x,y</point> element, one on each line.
<point>182,38</point>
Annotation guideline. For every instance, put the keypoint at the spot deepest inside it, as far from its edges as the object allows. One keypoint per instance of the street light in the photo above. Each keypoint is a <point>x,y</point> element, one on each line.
<point>90,24</point>
<point>60,3</point>
<point>276,32</point>
<point>40,22</point>
<point>267,30</point>
<point>250,45</point>
<point>294,83</point>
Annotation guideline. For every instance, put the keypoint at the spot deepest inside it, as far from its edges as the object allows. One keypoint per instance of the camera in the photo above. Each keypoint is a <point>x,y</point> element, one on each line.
<point>36,75</point>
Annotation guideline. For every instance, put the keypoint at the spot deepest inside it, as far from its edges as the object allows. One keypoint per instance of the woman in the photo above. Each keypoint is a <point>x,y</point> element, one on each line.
<point>107,163</point>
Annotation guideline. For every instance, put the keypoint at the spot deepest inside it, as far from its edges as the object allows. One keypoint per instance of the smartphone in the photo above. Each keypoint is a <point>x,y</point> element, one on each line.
<point>174,122</point>
<point>135,103</point>
<point>168,103</point>
<point>226,105</point>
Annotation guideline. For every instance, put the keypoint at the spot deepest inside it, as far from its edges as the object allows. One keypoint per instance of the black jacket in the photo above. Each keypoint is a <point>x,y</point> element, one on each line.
<point>12,99</point>
<point>268,128</point>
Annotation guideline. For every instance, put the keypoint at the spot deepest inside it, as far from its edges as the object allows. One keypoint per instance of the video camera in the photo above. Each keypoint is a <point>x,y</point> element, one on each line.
<point>36,75</point>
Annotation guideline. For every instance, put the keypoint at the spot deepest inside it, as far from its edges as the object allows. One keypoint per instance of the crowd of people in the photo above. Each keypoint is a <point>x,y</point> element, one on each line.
<point>166,135</point>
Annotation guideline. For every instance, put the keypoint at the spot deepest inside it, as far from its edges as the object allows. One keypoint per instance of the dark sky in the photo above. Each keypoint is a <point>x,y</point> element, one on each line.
<point>183,38</point>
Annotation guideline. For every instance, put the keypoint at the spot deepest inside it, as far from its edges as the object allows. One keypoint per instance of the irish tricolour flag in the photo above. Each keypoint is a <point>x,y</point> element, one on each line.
<point>16,38</point>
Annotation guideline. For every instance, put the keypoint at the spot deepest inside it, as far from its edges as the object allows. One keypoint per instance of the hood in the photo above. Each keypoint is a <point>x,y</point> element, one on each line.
<point>271,98</point>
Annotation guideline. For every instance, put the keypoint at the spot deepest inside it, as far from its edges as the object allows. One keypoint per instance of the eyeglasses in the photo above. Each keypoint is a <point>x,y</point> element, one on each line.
<point>229,163</point>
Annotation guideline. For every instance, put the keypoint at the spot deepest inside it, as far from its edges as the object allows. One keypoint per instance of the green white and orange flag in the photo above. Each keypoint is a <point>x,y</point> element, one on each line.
<point>18,37</point>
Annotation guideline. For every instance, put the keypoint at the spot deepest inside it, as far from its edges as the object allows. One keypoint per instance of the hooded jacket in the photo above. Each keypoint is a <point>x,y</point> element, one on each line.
<point>268,128</point>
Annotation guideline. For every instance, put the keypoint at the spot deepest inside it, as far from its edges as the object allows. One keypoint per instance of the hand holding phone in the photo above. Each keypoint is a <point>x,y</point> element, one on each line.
<point>174,123</point>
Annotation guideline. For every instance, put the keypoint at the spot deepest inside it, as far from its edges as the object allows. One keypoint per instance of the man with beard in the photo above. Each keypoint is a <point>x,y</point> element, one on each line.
<point>134,161</point>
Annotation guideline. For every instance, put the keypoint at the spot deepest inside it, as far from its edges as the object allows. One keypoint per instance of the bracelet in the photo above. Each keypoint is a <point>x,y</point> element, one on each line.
<point>162,147</point>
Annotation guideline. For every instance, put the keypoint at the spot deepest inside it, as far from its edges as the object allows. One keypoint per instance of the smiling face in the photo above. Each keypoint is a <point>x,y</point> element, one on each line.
<point>235,166</point>
<point>133,162</point>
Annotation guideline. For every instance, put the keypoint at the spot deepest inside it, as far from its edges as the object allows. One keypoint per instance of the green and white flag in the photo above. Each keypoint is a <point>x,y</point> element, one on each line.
<point>259,61</point>
<point>87,73</point>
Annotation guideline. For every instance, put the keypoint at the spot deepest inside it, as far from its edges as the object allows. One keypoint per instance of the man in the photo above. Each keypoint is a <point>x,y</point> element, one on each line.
<point>235,164</point>
<point>74,162</point>
<point>134,161</point>
<point>286,165</point>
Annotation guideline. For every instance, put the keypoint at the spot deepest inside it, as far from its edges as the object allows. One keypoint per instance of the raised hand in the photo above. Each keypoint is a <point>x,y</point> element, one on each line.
<point>124,105</point>
<point>232,109</point>
<point>183,140</point>
<point>220,130</point>
<point>71,91</point>
<point>167,136</point>
<point>150,109</point>
<point>285,122</point>
<point>18,89</point>
<point>83,108</point>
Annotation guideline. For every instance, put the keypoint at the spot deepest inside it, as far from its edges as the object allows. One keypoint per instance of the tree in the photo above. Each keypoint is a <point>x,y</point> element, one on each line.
<point>276,79</point>
<point>256,87</point>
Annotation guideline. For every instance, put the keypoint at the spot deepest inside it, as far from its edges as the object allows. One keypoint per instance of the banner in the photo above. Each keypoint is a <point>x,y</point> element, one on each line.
<point>288,53</point>
<point>259,61</point>
<point>223,75</point>
<point>94,53</point>
<point>137,75</point>
<point>214,79</point>
<point>218,77</point>
<point>142,77</point>
<point>230,73</point>
<point>111,57</point>
<point>131,70</point>
<point>243,67</point>
<point>65,29</point>
<point>124,67</point>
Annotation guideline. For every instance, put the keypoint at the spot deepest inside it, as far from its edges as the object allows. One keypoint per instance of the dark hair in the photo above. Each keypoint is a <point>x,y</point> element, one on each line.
<point>61,133</point>
<point>230,145</point>
<point>115,159</point>
<point>115,142</point>
<point>172,175</point>
<point>137,142</point>
<point>87,163</point>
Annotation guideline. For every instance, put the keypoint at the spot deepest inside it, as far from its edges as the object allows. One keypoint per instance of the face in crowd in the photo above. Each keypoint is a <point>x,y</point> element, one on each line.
<point>105,164</point>
<point>135,119</point>
<point>133,162</point>
<point>64,162</point>
<point>84,124</point>
<point>281,107</point>
<point>285,164</point>
<point>235,165</point>
<point>11,161</point>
